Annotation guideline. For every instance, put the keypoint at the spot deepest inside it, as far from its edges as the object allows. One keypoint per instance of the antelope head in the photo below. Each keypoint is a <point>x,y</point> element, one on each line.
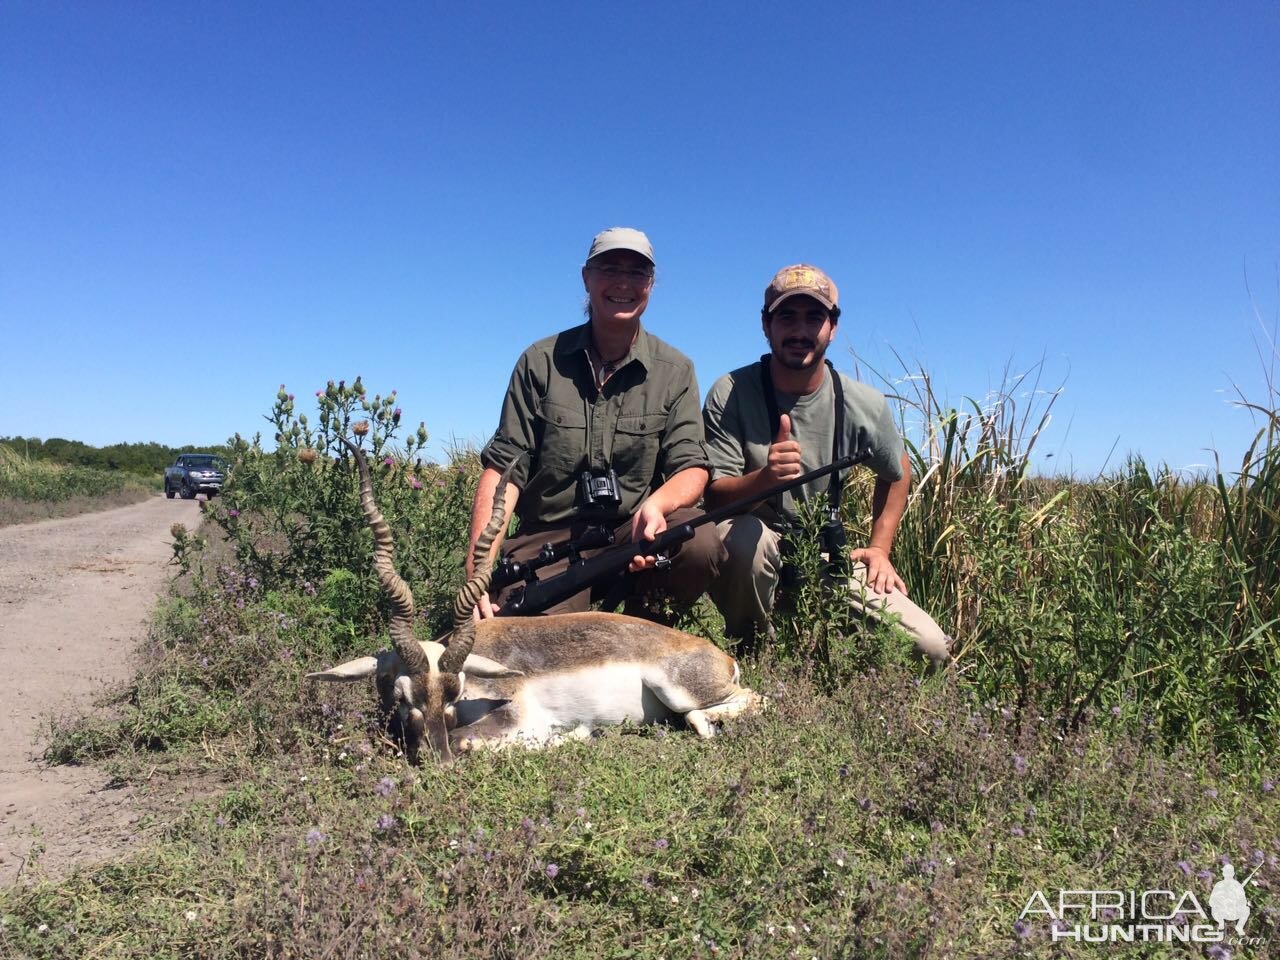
<point>419,681</point>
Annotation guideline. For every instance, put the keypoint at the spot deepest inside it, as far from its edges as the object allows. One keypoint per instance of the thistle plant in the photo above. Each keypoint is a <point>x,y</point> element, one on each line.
<point>292,512</point>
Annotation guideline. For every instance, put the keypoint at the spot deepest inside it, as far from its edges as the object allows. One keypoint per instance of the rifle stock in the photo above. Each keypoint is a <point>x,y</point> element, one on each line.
<point>535,597</point>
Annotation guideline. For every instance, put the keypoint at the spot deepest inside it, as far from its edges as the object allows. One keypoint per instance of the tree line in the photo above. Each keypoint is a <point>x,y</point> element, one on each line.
<point>140,458</point>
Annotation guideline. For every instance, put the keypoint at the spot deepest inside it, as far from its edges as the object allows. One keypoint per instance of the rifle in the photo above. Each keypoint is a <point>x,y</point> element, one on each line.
<point>537,595</point>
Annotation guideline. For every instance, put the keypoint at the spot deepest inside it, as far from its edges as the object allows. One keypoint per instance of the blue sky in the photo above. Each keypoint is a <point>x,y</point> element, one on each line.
<point>199,202</point>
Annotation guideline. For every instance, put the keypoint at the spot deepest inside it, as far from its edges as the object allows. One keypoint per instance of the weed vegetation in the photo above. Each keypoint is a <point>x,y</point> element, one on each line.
<point>1109,726</point>
<point>36,489</point>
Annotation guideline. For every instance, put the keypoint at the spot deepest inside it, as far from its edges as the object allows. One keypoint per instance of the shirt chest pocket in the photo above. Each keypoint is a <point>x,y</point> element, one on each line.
<point>562,429</point>
<point>637,442</point>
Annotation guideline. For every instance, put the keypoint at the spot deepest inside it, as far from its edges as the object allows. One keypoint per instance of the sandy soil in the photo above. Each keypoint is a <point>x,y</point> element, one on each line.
<point>75,594</point>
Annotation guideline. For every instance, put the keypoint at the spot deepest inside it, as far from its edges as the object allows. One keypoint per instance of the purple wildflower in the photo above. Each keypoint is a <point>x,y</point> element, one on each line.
<point>415,483</point>
<point>233,513</point>
<point>553,870</point>
<point>1021,929</point>
<point>1204,875</point>
<point>1211,793</point>
<point>1218,952</point>
<point>1019,764</point>
<point>661,843</point>
<point>385,787</point>
<point>1268,786</point>
<point>1115,711</point>
<point>1184,867</point>
<point>935,826</point>
<point>315,835</point>
<point>385,823</point>
<point>388,461</point>
<point>1017,832</point>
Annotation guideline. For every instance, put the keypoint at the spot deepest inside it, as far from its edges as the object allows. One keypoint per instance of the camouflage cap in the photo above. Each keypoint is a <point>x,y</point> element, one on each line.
<point>800,279</point>
<point>621,238</point>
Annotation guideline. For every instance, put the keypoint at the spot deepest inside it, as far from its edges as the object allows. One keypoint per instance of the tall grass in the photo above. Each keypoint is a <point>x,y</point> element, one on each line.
<point>35,489</point>
<point>1140,592</point>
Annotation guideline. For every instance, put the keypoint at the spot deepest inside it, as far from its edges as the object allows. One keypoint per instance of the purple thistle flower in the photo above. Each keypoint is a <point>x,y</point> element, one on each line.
<point>315,835</point>
<point>1017,832</point>
<point>385,823</point>
<point>553,870</point>
<point>388,461</point>
<point>661,843</point>
<point>233,513</point>
<point>1021,929</point>
<point>1218,952</point>
<point>1115,711</point>
<point>415,483</point>
<point>1204,875</point>
<point>1268,786</point>
<point>385,787</point>
<point>1184,867</point>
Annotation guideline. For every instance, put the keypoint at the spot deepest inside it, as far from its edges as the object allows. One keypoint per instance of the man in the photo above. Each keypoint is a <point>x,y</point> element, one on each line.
<point>785,415</point>
<point>603,424</point>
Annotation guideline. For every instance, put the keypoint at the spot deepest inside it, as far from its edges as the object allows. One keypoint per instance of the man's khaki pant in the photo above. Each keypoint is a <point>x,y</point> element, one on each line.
<point>748,580</point>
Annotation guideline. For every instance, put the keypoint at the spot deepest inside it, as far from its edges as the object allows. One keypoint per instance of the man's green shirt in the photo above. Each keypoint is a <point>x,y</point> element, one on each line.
<point>739,433</point>
<point>646,423</point>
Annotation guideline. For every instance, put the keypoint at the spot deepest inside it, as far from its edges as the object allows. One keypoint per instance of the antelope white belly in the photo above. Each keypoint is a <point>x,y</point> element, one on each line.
<point>595,697</point>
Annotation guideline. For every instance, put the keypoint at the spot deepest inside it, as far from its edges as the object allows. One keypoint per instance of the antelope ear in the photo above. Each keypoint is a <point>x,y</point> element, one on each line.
<point>479,666</point>
<point>356,669</point>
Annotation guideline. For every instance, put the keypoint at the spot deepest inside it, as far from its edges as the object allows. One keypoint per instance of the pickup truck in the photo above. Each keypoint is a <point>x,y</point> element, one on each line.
<point>194,473</point>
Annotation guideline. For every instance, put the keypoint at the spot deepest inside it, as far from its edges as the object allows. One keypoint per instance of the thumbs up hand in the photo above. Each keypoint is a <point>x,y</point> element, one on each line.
<point>784,454</point>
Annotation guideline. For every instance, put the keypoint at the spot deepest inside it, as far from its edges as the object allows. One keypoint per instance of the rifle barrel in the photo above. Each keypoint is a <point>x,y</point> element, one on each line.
<point>537,596</point>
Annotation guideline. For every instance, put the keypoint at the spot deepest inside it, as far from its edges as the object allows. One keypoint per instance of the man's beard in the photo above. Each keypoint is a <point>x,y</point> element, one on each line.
<point>819,352</point>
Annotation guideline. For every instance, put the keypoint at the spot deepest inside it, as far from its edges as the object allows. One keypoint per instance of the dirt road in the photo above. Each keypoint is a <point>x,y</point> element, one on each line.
<point>75,595</point>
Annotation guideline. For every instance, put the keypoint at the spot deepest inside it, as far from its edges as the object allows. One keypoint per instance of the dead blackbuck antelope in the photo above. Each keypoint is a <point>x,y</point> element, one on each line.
<point>530,680</point>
